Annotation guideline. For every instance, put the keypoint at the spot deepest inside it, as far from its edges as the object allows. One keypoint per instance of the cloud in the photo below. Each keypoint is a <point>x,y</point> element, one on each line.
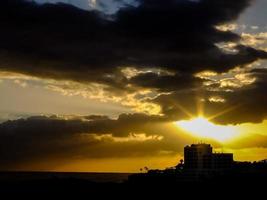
<point>250,101</point>
<point>169,59</point>
<point>63,42</point>
<point>174,37</point>
<point>42,138</point>
<point>243,98</point>
<point>134,56</point>
<point>123,126</point>
<point>256,40</point>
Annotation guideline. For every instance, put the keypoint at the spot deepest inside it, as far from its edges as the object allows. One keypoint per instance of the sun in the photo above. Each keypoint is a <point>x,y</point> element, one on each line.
<point>204,129</point>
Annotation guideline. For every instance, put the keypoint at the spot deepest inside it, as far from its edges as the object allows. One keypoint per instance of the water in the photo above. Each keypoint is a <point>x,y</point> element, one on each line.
<point>94,177</point>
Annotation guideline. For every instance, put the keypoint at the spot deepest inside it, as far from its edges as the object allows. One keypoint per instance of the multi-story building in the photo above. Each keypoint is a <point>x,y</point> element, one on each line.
<point>199,157</point>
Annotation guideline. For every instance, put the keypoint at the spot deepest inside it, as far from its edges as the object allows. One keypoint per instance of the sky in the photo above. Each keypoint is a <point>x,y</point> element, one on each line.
<point>114,86</point>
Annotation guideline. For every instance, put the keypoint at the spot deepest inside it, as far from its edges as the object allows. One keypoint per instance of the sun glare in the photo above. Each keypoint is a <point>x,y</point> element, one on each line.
<point>204,129</point>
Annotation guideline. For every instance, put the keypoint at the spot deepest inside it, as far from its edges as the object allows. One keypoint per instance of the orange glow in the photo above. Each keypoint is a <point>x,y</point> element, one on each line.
<point>203,128</point>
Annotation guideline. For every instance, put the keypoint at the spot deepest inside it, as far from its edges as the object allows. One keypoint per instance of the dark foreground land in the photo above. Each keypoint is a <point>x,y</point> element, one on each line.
<point>241,183</point>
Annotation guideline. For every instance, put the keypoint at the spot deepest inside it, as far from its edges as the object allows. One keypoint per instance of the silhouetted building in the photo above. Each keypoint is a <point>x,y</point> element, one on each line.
<point>199,157</point>
<point>221,161</point>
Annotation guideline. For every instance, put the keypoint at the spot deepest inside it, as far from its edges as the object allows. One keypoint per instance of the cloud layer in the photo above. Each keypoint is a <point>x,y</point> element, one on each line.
<point>59,41</point>
<point>42,138</point>
<point>171,57</point>
<point>67,43</point>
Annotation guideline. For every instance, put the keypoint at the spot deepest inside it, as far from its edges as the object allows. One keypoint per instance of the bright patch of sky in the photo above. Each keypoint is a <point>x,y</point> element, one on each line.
<point>34,99</point>
<point>255,16</point>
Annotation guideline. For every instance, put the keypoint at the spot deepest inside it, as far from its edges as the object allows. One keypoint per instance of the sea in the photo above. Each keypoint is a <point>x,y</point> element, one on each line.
<point>94,177</point>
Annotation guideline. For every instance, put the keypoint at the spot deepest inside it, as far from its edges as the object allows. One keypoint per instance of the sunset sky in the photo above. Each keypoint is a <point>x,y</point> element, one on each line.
<point>116,85</point>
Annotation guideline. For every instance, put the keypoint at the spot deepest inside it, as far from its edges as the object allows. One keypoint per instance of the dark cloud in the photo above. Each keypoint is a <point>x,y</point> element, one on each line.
<point>166,83</point>
<point>63,42</point>
<point>178,36</point>
<point>248,103</point>
<point>42,125</point>
<point>244,104</point>
<point>40,138</point>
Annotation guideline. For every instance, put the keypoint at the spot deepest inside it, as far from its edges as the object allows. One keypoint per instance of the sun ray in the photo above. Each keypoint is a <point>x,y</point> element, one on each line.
<point>184,110</point>
<point>224,112</point>
<point>200,103</point>
<point>200,107</point>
